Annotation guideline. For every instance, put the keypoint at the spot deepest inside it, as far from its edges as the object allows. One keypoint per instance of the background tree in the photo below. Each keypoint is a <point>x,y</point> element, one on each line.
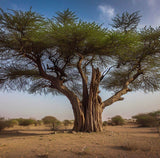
<point>117,120</point>
<point>51,121</point>
<point>148,119</point>
<point>26,122</point>
<point>65,55</point>
<point>67,123</point>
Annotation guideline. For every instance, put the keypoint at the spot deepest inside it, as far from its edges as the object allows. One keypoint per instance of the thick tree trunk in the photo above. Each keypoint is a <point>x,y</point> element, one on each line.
<point>92,110</point>
<point>92,118</point>
<point>88,112</point>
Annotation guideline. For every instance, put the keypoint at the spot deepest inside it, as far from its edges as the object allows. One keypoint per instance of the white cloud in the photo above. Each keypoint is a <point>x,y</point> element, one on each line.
<point>106,12</point>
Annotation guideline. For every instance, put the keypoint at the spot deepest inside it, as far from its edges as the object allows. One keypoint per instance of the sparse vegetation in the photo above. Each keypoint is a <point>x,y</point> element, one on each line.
<point>117,120</point>
<point>149,119</point>
<point>2,124</point>
<point>11,122</point>
<point>53,122</point>
<point>129,141</point>
<point>67,123</point>
<point>105,123</point>
<point>26,122</point>
<point>133,146</point>
<point>7,123</point>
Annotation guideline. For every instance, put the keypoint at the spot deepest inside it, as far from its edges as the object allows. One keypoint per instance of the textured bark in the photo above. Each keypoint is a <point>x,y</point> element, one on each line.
<point>79,121</point>
<point>92,111</point>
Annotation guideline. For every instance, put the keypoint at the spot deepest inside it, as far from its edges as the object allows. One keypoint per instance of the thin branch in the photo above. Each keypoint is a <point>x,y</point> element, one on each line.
<point>124,90</point>
<point>84,79</point>
<point>106,72</point>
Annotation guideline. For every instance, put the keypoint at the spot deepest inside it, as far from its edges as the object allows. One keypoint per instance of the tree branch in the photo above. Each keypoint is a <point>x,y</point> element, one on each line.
<point>106,72</point>
<point>84,80</point>
<point>118,96</point>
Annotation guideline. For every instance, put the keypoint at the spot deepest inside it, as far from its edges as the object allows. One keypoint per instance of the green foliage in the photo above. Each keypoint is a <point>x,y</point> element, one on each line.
<point>7,123</point>
<point>11,122</point>
<point>117,120</point>
<point>155,114</point>
<point>26,122</point>
<point>149,119</point>
<point>2,124</point>
<point>65,17</point>
<point>67,122</point>
<point>36,51</point>
<point>82,37</point>
<point>53,122</point>
<point>49,119</point>
<point>39,122</point>
<point>25,29</point>
<point>126,21</point>
<point>105,123</point>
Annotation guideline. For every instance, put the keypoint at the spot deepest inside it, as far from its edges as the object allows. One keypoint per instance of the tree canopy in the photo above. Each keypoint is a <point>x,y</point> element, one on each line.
<point>65,55</point>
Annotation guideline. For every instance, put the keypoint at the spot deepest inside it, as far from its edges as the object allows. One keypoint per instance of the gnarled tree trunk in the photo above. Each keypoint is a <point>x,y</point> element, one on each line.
<point>92,110</point>
<point>88,112</point>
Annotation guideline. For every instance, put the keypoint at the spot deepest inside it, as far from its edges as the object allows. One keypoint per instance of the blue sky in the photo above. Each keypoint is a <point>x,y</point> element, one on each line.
<point>18,104</point>
<point>91,10</point>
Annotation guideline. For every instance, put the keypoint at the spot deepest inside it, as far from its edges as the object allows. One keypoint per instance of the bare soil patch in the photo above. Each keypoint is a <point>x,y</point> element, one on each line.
<point>113,142</point>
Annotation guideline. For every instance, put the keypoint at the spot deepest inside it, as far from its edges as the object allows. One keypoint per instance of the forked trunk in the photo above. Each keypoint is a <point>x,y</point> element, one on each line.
<point>92,111</point>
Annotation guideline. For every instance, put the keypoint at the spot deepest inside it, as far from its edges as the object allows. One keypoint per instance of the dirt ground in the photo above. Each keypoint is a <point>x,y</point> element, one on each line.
<point>114,142</point>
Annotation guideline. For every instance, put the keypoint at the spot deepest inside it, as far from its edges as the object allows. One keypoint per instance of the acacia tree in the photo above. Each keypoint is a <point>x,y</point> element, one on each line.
<point>65,55</point>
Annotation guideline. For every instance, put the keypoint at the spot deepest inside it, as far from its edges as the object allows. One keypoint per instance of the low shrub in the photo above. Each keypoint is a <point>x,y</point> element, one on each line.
<point>12,122</point>
<point>2,124</point>
<point>146,120</point>
<point>26,122</point>
<point>38,123</point>
<point>133,146</point>
<point>117,120</point>
<point>105,123</point>
<point>53,122</point>
<point>6,123</point>
<point>67,123</point>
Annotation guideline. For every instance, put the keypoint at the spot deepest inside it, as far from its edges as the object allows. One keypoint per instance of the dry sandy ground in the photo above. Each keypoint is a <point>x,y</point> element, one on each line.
<point>113,142</point>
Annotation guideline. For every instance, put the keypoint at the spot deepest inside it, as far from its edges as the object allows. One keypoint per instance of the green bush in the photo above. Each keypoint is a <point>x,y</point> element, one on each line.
<point>26,122</point>
<point>117,120</point>
<point>2,124</point>
<point>6,123</point>
<point>11,122</point>
<point>67,122</point>
<point>53,122</point>
<point>146,120</point>
<point>39,122</point>
<point>105,123</point>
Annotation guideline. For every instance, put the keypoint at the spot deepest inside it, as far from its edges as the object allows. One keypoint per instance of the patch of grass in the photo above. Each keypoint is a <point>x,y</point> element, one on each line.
<point>133,146</point>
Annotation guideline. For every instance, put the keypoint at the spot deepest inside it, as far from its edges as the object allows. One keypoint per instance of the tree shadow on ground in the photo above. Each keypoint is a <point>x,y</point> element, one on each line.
<point>30,132</point>
<point>15,133</point>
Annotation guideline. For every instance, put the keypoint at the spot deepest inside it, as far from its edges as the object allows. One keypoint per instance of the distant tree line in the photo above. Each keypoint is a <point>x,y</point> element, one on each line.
<point>49,121</point>
<point>151,119</point>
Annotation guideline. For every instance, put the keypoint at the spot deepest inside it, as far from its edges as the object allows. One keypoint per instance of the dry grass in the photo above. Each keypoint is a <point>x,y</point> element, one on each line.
<point>133,146</point>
